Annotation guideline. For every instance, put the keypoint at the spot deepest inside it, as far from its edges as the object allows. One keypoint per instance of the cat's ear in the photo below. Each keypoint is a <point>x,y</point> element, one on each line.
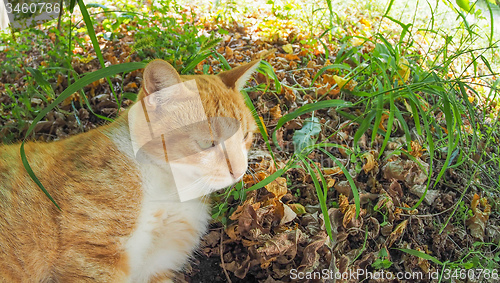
<point>237,77</point>
<point>158,75</point>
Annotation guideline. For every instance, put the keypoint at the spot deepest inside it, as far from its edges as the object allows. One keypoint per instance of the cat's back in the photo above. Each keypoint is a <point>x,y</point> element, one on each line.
<point>97,189</point>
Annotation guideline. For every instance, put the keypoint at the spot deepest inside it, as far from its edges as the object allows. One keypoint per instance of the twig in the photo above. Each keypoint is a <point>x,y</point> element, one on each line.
<point>222,257</point>
<point>428,215</point>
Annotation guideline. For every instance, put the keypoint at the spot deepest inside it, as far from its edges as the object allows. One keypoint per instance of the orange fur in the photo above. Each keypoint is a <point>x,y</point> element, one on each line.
<point>103,194</point>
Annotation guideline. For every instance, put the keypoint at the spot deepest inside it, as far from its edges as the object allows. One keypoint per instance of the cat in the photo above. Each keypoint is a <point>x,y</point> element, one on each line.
<point>120,217</point>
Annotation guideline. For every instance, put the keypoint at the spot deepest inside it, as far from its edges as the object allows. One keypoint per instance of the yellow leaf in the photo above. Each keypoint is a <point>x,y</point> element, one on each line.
<point>404,70</point>
<point>356,41</point>
<point>288,48</point>
<point>341,82</point>
<point>330,182</point>
<point>365,23</point>
<point>87,60</point>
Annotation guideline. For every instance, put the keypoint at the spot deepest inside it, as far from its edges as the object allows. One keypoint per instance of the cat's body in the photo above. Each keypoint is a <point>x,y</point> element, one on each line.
<point>120,218</point>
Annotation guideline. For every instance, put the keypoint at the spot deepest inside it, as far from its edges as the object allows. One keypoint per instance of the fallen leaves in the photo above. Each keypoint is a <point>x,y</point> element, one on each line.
<point>477,223</point>
<point>261,225</point>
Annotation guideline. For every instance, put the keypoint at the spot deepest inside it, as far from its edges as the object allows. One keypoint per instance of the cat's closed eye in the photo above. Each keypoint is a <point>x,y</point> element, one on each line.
<point>205,144</point>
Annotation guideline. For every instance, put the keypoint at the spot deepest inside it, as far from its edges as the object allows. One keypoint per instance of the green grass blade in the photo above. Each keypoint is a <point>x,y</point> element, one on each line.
<point>33,176</point>
<point>421,255</point>
<point>416,117</point>
<point>97,48</point>
<point>363,127</point>
<point>266,69</point>
<point>390,122</point>
<point>332,66</point>
<point>267,180</point>
<point>355,192</point>
<point>260,126</point>
<point>223,61</point>
<point>388,8</point>
<point>42,82</point>
<point>403,123</point>
<point>319,193</point>
<point>192,64</point>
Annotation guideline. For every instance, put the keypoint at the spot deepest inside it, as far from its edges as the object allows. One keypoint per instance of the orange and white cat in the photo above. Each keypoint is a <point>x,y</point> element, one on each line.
<point>120,218</point>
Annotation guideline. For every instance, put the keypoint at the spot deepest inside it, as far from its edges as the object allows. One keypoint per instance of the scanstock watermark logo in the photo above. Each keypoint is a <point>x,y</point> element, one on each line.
<point>27,13</point>
<point>170,128</point>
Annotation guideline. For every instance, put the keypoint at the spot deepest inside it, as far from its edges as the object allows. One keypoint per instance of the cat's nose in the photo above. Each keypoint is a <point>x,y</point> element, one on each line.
<point>236,172</point>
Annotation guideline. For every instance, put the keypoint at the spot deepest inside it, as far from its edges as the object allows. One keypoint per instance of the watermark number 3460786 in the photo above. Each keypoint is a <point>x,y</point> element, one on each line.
<point>39,7</point>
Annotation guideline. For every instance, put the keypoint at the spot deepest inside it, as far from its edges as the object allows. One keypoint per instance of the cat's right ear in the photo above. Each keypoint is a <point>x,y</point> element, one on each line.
<point>158,75</point>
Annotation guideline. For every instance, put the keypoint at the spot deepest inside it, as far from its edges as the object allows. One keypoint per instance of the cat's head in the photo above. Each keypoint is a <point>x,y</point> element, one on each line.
<point>199,124</point>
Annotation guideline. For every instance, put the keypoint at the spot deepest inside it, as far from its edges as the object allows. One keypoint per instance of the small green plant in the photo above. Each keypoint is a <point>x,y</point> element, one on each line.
<point>221,211</point>
<point>463,212</point>
<point>383,260</point>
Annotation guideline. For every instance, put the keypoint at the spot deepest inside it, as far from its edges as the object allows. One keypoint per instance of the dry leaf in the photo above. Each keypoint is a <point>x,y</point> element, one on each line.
<point>288,214</point>
<point>330,182</point>
<point>275,112</point>
<point>310,259</point>
<point>297,208</point>
<point>332,171</point>
<point>395,170</point>
<point>370,162</point>
<point>349,215</point>
<point>398,231</point>
<point>239,268</point>
<point>343,203</point>
<point>382,120</point>
<point>277,187</point>
<point>291,57</point>
<point>74,97</point>
<point>416,149</point>
<point>423,263</point>
<point>229,52</point>
<point>477,223</point>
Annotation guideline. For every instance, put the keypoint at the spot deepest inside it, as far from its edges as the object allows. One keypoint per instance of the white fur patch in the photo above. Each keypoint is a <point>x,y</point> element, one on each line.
<point>167,230</point>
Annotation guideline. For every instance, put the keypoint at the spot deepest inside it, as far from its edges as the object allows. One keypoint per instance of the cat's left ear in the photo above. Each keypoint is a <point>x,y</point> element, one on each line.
<point>237,77</point>
<point>158,75</point>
